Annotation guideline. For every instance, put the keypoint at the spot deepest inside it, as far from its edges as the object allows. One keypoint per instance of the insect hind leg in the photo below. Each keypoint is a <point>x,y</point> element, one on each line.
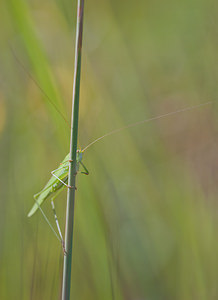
<point>57,224</point>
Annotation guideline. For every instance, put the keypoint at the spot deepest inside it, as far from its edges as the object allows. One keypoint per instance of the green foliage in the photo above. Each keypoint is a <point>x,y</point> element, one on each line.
<point>145,222</point>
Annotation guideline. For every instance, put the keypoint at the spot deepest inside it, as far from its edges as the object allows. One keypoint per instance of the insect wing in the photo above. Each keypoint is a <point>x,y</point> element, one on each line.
<point>52,186</point>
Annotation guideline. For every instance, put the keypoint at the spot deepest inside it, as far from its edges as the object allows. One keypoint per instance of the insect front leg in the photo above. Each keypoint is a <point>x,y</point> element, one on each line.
<point>84,167</point>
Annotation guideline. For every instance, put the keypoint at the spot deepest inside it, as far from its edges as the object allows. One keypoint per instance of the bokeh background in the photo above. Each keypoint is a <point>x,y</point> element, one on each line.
<point>146,216</point>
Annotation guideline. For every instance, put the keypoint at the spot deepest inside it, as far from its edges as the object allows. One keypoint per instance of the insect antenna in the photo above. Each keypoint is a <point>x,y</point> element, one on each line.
<point>38,86</point>
<point>146,121</point>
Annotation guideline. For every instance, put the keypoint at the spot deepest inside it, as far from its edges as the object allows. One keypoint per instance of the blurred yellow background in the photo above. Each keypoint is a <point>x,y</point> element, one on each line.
<point>146,216</point>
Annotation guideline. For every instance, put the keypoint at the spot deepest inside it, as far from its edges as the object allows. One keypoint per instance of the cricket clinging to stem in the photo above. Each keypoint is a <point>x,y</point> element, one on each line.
<point>59,178</point>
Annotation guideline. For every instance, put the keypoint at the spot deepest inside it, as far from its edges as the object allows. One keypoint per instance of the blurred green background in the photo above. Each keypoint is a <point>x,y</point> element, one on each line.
<point>146,217</point>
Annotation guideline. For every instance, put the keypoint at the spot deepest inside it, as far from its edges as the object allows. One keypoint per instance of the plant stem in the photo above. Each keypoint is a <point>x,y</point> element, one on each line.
<point>73,149</point>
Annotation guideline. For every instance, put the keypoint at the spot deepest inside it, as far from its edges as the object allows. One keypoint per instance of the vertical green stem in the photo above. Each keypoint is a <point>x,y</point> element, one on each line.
<point>73,149</point>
